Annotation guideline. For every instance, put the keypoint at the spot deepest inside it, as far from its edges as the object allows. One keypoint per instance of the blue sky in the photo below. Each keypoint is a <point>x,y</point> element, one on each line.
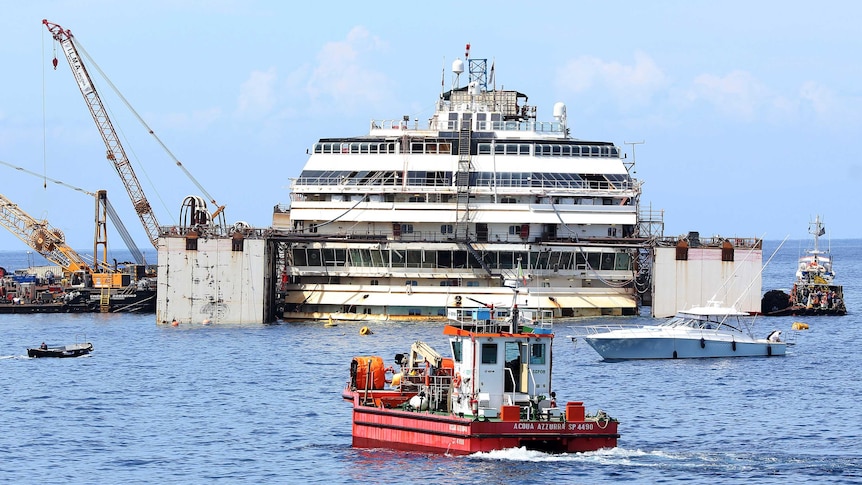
<point>749,111</point>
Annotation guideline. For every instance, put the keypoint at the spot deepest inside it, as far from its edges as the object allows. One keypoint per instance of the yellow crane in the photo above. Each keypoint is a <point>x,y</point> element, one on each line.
<point>42,237</point>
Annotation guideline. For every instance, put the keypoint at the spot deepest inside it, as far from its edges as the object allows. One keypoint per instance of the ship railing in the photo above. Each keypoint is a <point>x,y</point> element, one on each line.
<point>715,241</point>
<point>546,127</point>
<point>590,187</point>
<point>587,330</point>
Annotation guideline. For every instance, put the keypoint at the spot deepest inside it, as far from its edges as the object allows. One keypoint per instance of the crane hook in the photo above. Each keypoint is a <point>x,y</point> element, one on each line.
<point>55,63</point>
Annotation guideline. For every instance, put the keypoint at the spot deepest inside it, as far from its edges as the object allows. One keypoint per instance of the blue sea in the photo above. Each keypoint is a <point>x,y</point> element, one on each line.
<point>262,403</point>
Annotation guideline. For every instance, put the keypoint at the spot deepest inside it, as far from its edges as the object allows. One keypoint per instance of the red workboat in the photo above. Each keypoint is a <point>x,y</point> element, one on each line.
<point>494,393</point>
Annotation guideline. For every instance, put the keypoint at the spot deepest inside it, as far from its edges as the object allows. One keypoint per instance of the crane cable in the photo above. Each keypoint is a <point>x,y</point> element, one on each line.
<point>112,213</point>
<point>145,125</point>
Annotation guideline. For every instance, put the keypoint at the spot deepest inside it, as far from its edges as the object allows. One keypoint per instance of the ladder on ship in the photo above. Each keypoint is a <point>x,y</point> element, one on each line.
<point>105,300</point>
<point>476,254</point>
<point>462,183</point>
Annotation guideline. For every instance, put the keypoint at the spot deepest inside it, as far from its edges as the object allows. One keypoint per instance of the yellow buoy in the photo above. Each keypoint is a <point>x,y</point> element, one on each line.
<point>365,331</point>
<point>800,326</point>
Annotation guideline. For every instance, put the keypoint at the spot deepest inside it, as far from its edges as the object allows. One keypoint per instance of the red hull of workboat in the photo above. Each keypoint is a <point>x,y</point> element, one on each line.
<point>375,427</point>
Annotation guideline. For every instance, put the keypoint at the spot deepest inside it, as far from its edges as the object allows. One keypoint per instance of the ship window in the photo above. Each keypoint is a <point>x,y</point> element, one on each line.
<point>594,260</point>
<point>508,200</point>
<point>375,283</point>
<point>565,260</point>
<point>299,258</point>
<point>318,148</point>
<point>414,258</point>
<point>472,283</point>
<point>489,353</point>
<point>623,262</point>
<point>499,149</point>
<point>411,283</point>
<point>406,228</point>
<point>456,351</point>
<point>523,149</point>
<point>335,257</point>
<point>537,354</point>
<point>607,261</point>
<point>446,229</point>
<point>416,198</point>
<point>314,257</point>
<point>484,148</point>
<point>191,244</point>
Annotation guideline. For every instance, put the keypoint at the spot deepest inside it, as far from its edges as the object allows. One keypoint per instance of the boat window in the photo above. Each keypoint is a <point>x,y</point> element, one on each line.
<point>489,353</point>
<point>484,148</point>
<point>456,351</point>
<point>513,364</point>
<point>537,354</point>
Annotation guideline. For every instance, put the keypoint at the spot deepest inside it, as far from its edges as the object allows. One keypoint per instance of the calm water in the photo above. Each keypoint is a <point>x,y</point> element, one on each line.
<point>251,404</point>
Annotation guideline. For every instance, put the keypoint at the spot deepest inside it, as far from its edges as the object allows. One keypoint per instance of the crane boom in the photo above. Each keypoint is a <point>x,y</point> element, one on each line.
<point>39,235</point>
<point>115,152</point>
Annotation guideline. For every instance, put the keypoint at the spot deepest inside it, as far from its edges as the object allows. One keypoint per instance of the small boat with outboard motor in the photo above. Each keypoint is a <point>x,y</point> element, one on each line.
<point>60,351</point>
<point>494,392</point>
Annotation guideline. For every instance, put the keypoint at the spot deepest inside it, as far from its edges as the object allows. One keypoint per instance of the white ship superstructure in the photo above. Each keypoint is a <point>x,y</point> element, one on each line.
<point>410,220</point>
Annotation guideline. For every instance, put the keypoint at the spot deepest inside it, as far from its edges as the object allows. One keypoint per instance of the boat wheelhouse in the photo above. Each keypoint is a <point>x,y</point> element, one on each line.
<point>814,291</point>
<point>410,220</point>
<point>494,392</point>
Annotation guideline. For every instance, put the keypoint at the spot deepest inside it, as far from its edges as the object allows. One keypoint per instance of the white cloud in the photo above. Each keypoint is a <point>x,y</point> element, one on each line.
<point>257,95</point>
<point>818,97</point>
<point>629,84</point>
<point>341,76</point>
<point>737,94</point>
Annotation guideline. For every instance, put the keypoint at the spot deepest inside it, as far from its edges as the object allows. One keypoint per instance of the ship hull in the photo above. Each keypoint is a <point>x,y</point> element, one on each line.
<point>375,427</point>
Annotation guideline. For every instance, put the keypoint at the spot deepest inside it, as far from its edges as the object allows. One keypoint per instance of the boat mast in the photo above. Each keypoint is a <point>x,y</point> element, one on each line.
<point>816,229</point>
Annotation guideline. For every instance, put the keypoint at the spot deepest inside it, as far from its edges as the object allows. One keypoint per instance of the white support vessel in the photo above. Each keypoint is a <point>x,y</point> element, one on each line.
<point>408,220</point>
<point>699,332</point>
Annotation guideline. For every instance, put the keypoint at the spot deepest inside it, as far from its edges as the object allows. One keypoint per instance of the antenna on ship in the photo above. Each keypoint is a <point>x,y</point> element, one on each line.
<point>457,69</point>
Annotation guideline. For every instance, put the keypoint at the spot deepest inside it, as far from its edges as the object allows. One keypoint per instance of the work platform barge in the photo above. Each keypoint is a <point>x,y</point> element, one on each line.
<point>245,275</point>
